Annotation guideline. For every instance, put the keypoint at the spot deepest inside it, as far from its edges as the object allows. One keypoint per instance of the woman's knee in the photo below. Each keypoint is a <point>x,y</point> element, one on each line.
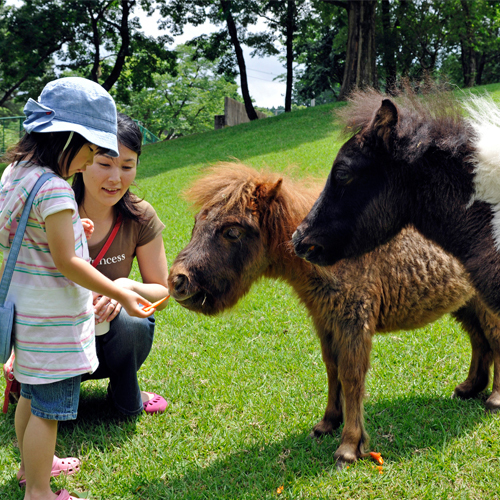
<point>132,334</point>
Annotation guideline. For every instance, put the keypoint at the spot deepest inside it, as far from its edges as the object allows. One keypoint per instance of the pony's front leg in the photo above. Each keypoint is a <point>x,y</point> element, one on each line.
<point>354,361</point>
<point>480,326</point>
<point>333,414</point>
<point>483,328</point>
<point>493,402</point>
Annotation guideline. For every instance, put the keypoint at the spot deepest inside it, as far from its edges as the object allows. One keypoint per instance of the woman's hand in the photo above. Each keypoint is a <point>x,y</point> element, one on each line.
<point>88,228</point>
<point>105,309</point>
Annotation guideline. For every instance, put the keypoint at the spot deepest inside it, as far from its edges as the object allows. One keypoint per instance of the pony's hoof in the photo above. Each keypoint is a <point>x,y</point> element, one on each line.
<point>325,427</point>
<point>345,456</point>
<point>340,465</point>
<point>493,402</point>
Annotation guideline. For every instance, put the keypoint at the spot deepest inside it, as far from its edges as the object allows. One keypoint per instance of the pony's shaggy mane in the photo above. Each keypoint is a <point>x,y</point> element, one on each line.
<point>435,119</point>
<point>232,185</point>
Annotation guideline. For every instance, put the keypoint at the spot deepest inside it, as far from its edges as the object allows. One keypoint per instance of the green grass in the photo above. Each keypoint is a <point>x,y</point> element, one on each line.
<point>246,387</point>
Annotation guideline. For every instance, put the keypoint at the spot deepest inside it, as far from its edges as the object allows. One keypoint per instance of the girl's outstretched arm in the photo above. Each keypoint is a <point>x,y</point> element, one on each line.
<point>61,240</point>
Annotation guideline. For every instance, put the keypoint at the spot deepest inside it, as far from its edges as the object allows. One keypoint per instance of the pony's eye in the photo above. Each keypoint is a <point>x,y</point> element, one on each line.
<point>232,234</point>
<point>343,177</point>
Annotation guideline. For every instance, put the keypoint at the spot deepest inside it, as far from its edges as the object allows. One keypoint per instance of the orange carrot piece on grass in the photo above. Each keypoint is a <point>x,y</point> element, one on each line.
<point>377,457</point>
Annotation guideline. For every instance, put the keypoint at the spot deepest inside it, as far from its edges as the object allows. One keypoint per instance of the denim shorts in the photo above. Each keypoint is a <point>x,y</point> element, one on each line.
<point>55,401</point>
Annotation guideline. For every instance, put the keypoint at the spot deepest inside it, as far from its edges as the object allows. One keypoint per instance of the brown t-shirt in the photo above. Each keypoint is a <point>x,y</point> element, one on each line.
<point>117,262</point>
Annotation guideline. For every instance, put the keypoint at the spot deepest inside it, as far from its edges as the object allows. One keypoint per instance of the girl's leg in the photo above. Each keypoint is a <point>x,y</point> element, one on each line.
<point>39,409</point>
<point>39,444</point>
<point>121,353</point>
<point>23,414</point>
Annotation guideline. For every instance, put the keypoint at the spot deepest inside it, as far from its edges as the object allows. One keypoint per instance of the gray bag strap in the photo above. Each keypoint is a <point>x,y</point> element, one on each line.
<point>18,238</point>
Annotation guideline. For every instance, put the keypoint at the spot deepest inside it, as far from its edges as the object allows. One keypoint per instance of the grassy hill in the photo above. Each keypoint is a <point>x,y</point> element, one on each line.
<point>246,387</point>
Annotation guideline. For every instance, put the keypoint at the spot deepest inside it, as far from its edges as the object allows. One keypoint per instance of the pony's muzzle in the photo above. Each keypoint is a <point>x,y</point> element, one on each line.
<point>180,287</point>
<point>304,248</point>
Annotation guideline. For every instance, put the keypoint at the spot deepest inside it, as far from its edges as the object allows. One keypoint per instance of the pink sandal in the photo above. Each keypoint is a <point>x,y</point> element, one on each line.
<point>66,466</point>
<point>64,495</point>
<point>157,404</point>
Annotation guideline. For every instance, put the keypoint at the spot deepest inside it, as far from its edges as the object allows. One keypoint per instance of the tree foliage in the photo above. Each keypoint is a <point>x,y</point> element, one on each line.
<point>32,34</point>
<point>327,47</point>
<point>94,38</point>
<point>185,103</point>
<point>320,52</point>
<point>232,17</point>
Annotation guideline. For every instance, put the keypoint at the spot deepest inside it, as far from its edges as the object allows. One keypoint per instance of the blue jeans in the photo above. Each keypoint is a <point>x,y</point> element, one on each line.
<point>54,400</point>
<point>121,352</point>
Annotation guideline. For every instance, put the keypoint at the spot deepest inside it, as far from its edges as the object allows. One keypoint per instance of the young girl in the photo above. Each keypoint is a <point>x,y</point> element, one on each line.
<point>54,325</point>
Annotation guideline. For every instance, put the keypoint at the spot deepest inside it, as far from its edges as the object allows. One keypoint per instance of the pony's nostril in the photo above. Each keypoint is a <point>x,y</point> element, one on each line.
<point>180,282</point>
<point>313,252</point>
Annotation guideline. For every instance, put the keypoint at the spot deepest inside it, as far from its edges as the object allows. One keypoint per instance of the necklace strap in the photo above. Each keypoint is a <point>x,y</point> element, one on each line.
<point>110,239</point>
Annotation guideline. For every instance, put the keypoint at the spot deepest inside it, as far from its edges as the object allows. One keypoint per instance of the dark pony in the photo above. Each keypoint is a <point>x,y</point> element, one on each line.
<point>433,163</point>
<point>242,233</point>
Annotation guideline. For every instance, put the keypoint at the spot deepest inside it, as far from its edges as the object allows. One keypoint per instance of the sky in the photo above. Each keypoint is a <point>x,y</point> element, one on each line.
<point>260,71</point>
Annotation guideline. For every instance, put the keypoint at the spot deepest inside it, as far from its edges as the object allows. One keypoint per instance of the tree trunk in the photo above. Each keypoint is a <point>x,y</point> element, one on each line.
<point>360,70</point>
<point>468,55</point>
<point>480,69</point>
<point>124,48</point>
<point>231,27</point>
<point>469,65</point>
<point>389,48</point>
<point>290,29</point>
<point>96,40</point>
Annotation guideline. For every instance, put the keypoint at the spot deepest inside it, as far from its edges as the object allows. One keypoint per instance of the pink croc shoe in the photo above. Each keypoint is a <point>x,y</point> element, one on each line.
<point>64,495</point>
<point>66,466</point>
<point>157,404</point>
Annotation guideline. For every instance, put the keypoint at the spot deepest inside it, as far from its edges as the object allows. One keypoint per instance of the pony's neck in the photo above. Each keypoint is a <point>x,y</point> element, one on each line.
<point>283,261</point>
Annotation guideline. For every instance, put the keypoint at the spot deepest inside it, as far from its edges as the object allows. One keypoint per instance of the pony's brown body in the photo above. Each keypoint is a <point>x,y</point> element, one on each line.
<point>243,232</point>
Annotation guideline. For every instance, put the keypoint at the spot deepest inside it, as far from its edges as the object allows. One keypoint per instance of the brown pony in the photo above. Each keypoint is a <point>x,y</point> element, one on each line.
<point>243,231</point>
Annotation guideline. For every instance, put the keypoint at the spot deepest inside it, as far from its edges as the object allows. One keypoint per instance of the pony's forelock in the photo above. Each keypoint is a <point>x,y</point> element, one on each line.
<point>231,185</point>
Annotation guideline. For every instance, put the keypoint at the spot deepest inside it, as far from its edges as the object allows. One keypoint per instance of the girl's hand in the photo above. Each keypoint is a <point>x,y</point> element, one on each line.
<point>105,309</point>
<point>88,227</point>
<point>134,304</point>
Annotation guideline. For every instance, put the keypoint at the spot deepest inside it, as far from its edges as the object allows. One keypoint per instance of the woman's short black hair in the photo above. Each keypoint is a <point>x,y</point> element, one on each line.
<point>46,150</point>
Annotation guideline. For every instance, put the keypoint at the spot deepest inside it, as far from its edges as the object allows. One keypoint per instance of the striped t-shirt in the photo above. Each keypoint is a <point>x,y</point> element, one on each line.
<point>54,321</point>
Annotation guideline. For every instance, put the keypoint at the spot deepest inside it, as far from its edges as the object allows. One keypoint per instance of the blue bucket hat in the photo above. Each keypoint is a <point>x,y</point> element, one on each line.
<point>77,105</point>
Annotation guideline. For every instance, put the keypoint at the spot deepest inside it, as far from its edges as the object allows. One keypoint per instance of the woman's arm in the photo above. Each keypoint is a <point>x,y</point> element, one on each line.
<point>59,229</point>
<point>154,272</point>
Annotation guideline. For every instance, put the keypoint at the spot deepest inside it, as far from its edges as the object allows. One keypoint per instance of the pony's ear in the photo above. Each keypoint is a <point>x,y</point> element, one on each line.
<point>266,194</point>
<point>274,190</point>
<point>385,121</point>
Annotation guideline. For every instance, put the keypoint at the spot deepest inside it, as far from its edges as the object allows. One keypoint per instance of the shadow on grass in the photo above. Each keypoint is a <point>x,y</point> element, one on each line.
<point>400,429</point>
<point>97,423</point>
<point>98,420</point>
